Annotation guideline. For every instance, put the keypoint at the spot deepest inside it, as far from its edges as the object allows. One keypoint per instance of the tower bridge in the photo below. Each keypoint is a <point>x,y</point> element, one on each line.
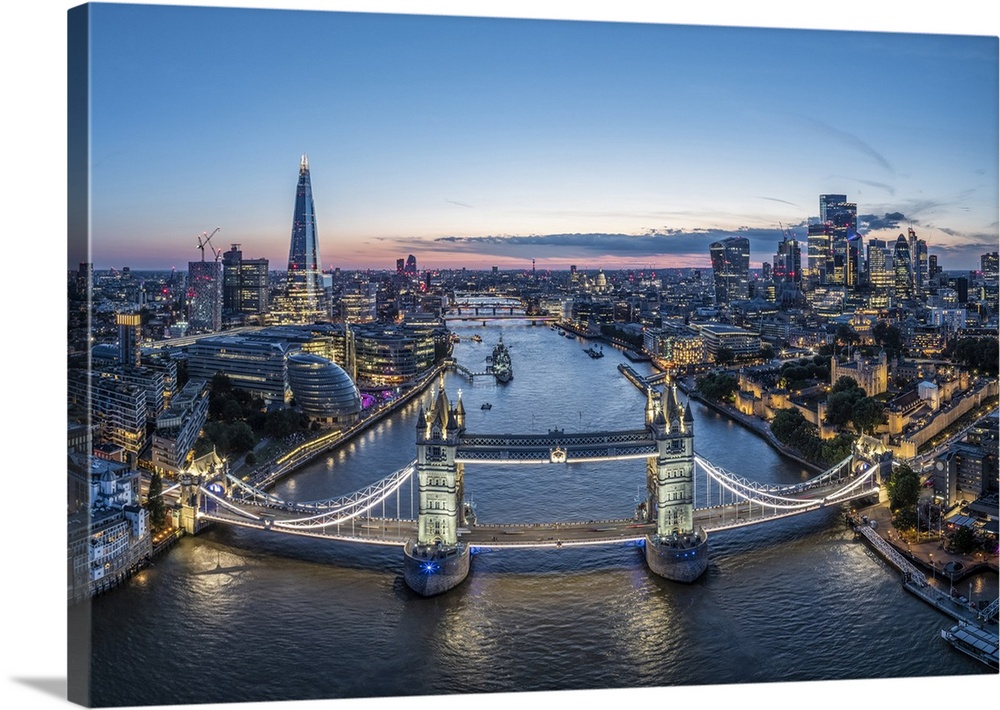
<point>438,531</point>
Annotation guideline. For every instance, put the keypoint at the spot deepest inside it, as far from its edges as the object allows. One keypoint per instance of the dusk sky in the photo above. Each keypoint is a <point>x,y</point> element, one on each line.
<point>474,141</point>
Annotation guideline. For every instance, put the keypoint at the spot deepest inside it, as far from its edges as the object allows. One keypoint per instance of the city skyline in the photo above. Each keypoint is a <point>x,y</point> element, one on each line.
<point>478,142</point>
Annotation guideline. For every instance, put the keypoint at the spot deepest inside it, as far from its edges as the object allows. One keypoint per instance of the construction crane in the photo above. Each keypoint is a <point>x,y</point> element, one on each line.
<point>204,240</point>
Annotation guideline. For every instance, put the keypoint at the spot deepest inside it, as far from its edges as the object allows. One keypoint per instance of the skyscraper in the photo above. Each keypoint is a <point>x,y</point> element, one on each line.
<point>820,255</point>
<point>731,269</point>
<point>304,300</point>
<point>129,336</point>
<point>244,284</point>
<point>903,267</point>
<point>881,273</point>
<point>989,264</point>
<point>205,296</point>
<point>841,217</point>
<point>788,262</point>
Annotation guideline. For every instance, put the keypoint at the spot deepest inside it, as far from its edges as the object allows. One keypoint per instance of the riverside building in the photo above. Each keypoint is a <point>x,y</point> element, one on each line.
<point>323,390</point>
<point>252,364</point>
<point>178,427</point>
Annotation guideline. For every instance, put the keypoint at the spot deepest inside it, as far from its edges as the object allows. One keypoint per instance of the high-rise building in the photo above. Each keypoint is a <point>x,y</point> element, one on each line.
<point>881,273</point>
<point>244,284</point>
<point>918,261</point>
<point>129,337</point>
<point>304,300</point>
<point>400,267</point>
<point>903,268</point>
<point>841,217</point>
<point>731,269</point>
<point>990,266</point>
<point>411,265</point>
<point>788,262</point>
<point>932,266</point>
<point>204,296</point>
<point>819,240</point>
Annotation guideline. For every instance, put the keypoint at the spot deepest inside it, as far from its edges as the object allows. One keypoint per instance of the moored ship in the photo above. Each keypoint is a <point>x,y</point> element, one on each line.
<point>979,643</point>
<point>500,363</point>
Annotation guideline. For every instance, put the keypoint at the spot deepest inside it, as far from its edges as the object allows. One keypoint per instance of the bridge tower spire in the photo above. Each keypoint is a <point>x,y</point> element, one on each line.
<point>677,550</point>
<point>436,561</point>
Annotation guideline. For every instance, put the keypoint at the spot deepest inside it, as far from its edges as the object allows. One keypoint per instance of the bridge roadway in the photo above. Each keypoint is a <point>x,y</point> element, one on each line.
<point>393,531</point>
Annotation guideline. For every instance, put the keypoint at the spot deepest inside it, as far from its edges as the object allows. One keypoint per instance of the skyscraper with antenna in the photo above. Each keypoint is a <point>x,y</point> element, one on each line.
<point>304,300</point>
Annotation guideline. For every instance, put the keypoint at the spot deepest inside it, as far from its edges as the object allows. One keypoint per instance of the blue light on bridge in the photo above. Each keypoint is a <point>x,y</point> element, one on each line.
<point>429,568</point>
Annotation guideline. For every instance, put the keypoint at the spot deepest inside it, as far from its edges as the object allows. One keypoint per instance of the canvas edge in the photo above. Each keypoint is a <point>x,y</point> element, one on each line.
<point>79,622</point>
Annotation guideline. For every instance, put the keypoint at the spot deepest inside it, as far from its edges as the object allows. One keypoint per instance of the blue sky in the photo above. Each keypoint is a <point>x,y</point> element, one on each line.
<point>480,141</point>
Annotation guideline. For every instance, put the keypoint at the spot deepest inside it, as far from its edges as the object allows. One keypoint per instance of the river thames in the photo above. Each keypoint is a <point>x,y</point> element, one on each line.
<point>237,615</point>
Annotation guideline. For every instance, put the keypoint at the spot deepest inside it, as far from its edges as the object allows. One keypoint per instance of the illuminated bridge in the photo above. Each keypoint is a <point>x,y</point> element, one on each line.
<point>422,508</point>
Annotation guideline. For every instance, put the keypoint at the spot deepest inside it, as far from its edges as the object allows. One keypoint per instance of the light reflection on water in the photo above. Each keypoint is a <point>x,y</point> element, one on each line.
<point>303,618</point>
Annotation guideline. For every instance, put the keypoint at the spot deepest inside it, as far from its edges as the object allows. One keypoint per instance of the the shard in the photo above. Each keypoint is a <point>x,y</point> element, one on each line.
<point>304,299</point>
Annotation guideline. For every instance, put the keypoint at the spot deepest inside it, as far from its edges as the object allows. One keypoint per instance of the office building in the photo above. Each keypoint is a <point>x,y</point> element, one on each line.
<point>731,269</point>
<point>119,409</point>
<point>304,300</point>
<point>244,290</point>
<point>323,390</point>
<point>254,365</point>
<point>178,427</point>
<point>129,338</point>
<point>903,268</point>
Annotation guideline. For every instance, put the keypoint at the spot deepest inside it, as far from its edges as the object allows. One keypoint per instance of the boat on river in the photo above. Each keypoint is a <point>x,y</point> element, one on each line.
<point>974,641</point>
<point>500,364</point>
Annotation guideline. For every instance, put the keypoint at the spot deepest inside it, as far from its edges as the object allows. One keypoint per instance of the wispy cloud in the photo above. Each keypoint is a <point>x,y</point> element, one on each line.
<point>775,199</point>
<point>848,139</point>
<point>460,204</point>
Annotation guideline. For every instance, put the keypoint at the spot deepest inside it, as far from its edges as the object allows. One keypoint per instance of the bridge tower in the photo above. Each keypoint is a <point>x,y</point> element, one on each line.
<point>677,550</point>
<point>436,561</point>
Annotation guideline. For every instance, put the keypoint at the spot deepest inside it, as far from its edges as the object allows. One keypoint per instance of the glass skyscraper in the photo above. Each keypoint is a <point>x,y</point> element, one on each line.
<point>304,300</point>
<point>731,269</point>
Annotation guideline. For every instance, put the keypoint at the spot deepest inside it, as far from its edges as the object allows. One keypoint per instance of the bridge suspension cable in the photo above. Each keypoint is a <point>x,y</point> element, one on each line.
<point>332,511</point>
<point>771,496</point>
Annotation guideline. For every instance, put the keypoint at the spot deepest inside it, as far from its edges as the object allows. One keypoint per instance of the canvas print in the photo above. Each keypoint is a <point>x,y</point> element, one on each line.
<point>416,355</point>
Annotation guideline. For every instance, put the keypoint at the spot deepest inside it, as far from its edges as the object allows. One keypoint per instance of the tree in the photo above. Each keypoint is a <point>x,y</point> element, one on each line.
<point>868,415</point>
<point>888,336</point>
<point>844,384</point>
<point>964,540</point>
<point>725,355</point>
<point>241,437</point>
<point>767,352</point>
<point>154,502</point>
<point>718,386</point>
<point>221,383</point>
<point>903,487</point>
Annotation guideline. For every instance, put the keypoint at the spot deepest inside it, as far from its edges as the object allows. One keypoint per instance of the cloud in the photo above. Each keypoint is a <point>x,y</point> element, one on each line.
<point>775,199</point>
<point>849,139</point>
<point>460,204</point>
<point>889,220</point>
<point>651,245</point>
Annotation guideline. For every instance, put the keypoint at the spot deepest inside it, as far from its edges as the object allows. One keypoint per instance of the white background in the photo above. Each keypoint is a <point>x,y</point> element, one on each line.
<point>32,379</point>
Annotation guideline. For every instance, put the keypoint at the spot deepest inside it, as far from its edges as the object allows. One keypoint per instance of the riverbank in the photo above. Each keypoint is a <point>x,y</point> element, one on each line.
<point>754,424</point>
<point>286,463</point>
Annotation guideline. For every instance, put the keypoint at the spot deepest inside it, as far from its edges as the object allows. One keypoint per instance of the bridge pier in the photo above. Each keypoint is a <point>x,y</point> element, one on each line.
<point>430,570</point>
<point>683,559</point>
